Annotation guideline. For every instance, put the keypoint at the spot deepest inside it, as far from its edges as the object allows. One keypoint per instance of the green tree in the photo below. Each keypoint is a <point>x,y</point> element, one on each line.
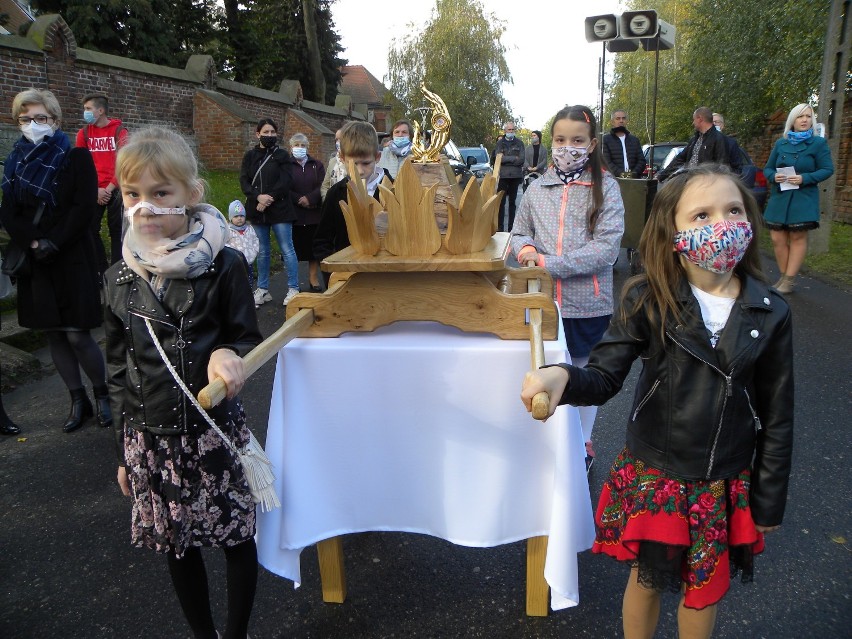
<point>743,58</point>
<point>460,57</point>
<point>269,43</point>
<point>159,31</point>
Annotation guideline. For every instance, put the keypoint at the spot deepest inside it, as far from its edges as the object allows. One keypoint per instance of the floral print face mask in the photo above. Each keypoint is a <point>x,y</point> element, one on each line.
<point>716,247</point>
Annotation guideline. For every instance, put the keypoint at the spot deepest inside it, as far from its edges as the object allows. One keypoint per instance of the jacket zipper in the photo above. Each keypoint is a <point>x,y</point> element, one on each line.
<point>728,393</point>
<point>757,425</point>
<point>180,343</point>
<point>645,399</point>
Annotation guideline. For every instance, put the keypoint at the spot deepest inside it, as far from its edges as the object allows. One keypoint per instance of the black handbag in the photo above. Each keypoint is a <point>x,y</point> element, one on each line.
<point>16,262</point>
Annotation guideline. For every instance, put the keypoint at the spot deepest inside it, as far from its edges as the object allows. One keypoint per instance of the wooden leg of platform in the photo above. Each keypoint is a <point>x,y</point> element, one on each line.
<point>538,592</point>
<point>332,572</point>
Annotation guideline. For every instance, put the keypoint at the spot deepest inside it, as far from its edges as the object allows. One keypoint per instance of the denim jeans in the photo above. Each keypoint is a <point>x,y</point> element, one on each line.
<point>284,234</point>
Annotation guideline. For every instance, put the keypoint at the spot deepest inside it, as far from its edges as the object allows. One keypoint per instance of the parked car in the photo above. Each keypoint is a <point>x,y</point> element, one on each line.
<point>457,162</point>
<point>476,159</point>
<point>751,175</point>
<point>662,150</point>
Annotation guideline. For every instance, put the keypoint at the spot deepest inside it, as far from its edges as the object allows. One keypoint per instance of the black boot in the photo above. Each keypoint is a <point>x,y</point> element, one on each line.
<point>7,426</point>
<point>104,412</point>
<point>81,410</point>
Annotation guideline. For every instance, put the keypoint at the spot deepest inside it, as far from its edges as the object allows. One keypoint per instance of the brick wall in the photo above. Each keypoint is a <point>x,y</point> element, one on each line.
<point>216,116</point>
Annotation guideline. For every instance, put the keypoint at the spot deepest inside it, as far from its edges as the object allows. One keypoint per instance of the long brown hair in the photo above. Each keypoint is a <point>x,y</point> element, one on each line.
<point>580,113</point>
<point>664,273</point>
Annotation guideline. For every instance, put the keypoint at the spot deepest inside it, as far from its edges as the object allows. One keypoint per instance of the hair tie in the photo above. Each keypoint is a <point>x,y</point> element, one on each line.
<point>586,115</point>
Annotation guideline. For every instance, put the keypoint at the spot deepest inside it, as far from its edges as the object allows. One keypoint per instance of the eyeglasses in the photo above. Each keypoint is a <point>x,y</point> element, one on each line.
<point>40,118</point>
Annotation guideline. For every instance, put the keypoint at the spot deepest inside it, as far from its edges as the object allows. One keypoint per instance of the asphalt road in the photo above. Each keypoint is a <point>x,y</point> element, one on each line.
<point>67,568</point>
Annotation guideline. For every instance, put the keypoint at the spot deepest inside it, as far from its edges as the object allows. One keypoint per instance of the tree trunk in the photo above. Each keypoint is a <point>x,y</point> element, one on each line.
<point>309,8</point>
<point>235,39</point>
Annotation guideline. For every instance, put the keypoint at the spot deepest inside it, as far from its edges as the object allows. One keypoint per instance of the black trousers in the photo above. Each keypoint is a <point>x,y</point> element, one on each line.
<point>509,186</point>
<point>114,211</point>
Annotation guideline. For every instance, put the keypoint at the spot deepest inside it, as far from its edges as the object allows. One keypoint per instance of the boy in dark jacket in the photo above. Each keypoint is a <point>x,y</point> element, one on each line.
<point>359,143</point>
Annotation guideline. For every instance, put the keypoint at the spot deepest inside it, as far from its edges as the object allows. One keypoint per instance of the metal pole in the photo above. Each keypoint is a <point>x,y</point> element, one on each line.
<point>654,110</point>
<point>603,81</point>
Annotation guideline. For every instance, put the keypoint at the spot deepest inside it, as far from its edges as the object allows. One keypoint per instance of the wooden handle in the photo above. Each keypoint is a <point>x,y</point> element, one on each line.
<point>215,391</point>
<point>541,401</point>
<point>498,161</point>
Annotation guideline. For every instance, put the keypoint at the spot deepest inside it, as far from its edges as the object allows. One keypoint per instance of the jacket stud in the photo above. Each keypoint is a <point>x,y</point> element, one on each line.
<point>766,301</point>
<point>754,333</point>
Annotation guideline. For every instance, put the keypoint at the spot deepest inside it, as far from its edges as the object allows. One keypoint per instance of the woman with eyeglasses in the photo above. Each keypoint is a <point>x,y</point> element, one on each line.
<point>50,191</point>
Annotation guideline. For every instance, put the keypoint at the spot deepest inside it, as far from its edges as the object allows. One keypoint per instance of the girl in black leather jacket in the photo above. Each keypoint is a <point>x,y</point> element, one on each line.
<point>178,277</point>
<point>706,464</point>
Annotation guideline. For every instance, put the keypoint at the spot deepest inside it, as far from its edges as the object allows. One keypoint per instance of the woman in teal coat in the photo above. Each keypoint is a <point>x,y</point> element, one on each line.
<point>793,207</point>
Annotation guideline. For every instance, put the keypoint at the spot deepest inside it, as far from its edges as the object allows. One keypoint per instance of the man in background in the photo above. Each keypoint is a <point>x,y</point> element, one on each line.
<point>622,150</point>
<point>103,136</point>
<point>734,153</point>
<point>511,174</point>
<point>707,145</point>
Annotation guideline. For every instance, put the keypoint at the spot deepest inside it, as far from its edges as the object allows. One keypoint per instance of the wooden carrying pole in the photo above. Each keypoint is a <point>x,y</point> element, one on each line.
<point>215,391</point>
<point>541,401</point>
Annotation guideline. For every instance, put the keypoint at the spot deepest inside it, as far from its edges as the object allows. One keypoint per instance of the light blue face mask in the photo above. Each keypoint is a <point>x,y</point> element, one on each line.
<point>401,141</point>
<point>89,117</point>
<point>299,152</point>
<point>510,136</point>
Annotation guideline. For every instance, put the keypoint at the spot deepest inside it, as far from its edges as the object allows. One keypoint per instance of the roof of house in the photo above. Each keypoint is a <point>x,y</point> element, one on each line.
<point>362,86</point>
<point>19,13</point>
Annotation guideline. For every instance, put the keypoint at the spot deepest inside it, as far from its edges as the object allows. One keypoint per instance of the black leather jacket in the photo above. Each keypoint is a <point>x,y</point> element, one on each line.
<point>702,413</point>
<point>214,310</point>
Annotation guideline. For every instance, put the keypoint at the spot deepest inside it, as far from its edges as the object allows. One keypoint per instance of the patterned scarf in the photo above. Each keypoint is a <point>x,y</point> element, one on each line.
<point>32,168</point>
<point>339,170</point>
<point>569,177</point>
<point>185,257</point>
<point>398,151</point>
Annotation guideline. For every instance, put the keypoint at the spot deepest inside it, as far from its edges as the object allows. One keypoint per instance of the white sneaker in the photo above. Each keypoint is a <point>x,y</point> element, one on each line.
<point>293,292</point>
<point>261,295</point>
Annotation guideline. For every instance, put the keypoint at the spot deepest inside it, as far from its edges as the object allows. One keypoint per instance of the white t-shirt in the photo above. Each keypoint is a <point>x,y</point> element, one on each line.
<point>715,312</point>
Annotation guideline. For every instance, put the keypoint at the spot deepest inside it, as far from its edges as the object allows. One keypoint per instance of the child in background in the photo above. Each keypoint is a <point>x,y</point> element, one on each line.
<point>243,237</point>
<point>359,143</point>
<point>188,489</point>
<point>705,468</point>
<point>570,222</point>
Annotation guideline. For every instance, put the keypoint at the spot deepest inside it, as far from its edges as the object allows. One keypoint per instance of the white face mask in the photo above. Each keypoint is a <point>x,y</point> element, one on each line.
<point>36,132</point>
<point>570,158</point>
<point>156,210</point>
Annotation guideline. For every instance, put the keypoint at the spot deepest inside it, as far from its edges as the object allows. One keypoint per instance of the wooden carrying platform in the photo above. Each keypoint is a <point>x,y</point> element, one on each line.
<point>474,292</point>
<point>415,272</point>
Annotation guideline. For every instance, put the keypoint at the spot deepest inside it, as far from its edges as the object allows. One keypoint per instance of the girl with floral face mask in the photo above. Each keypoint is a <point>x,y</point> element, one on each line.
<point>706,463</point>
<point>570,221</point>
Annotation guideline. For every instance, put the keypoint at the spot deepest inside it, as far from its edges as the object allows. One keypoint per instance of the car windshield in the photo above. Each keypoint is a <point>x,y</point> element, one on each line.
<point>479,154</point>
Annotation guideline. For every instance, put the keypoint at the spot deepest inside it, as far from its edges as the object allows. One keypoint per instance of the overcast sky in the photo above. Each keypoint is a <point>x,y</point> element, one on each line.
<point>550,61</point>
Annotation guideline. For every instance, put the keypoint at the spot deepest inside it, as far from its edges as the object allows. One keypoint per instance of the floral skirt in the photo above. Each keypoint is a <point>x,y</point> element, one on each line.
<point>189,490</point>
<point>694,535</point>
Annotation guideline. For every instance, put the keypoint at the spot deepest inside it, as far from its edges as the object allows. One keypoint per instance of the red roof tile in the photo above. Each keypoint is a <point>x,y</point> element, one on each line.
<point>362,86</point>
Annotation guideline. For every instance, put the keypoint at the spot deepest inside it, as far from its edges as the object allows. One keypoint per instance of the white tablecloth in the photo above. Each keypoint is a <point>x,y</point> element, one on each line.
<point>419,427</point>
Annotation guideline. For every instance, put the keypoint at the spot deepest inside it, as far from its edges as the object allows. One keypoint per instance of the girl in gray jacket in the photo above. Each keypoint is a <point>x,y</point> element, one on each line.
<point>570,222</point>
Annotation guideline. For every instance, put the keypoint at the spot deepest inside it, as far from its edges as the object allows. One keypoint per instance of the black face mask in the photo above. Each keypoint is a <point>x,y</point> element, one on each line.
<point>268,141</point>
<point>619,129</point>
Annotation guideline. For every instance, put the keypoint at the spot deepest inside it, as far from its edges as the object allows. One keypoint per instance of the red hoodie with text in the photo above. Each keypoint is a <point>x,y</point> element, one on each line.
<point>103,144</point>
